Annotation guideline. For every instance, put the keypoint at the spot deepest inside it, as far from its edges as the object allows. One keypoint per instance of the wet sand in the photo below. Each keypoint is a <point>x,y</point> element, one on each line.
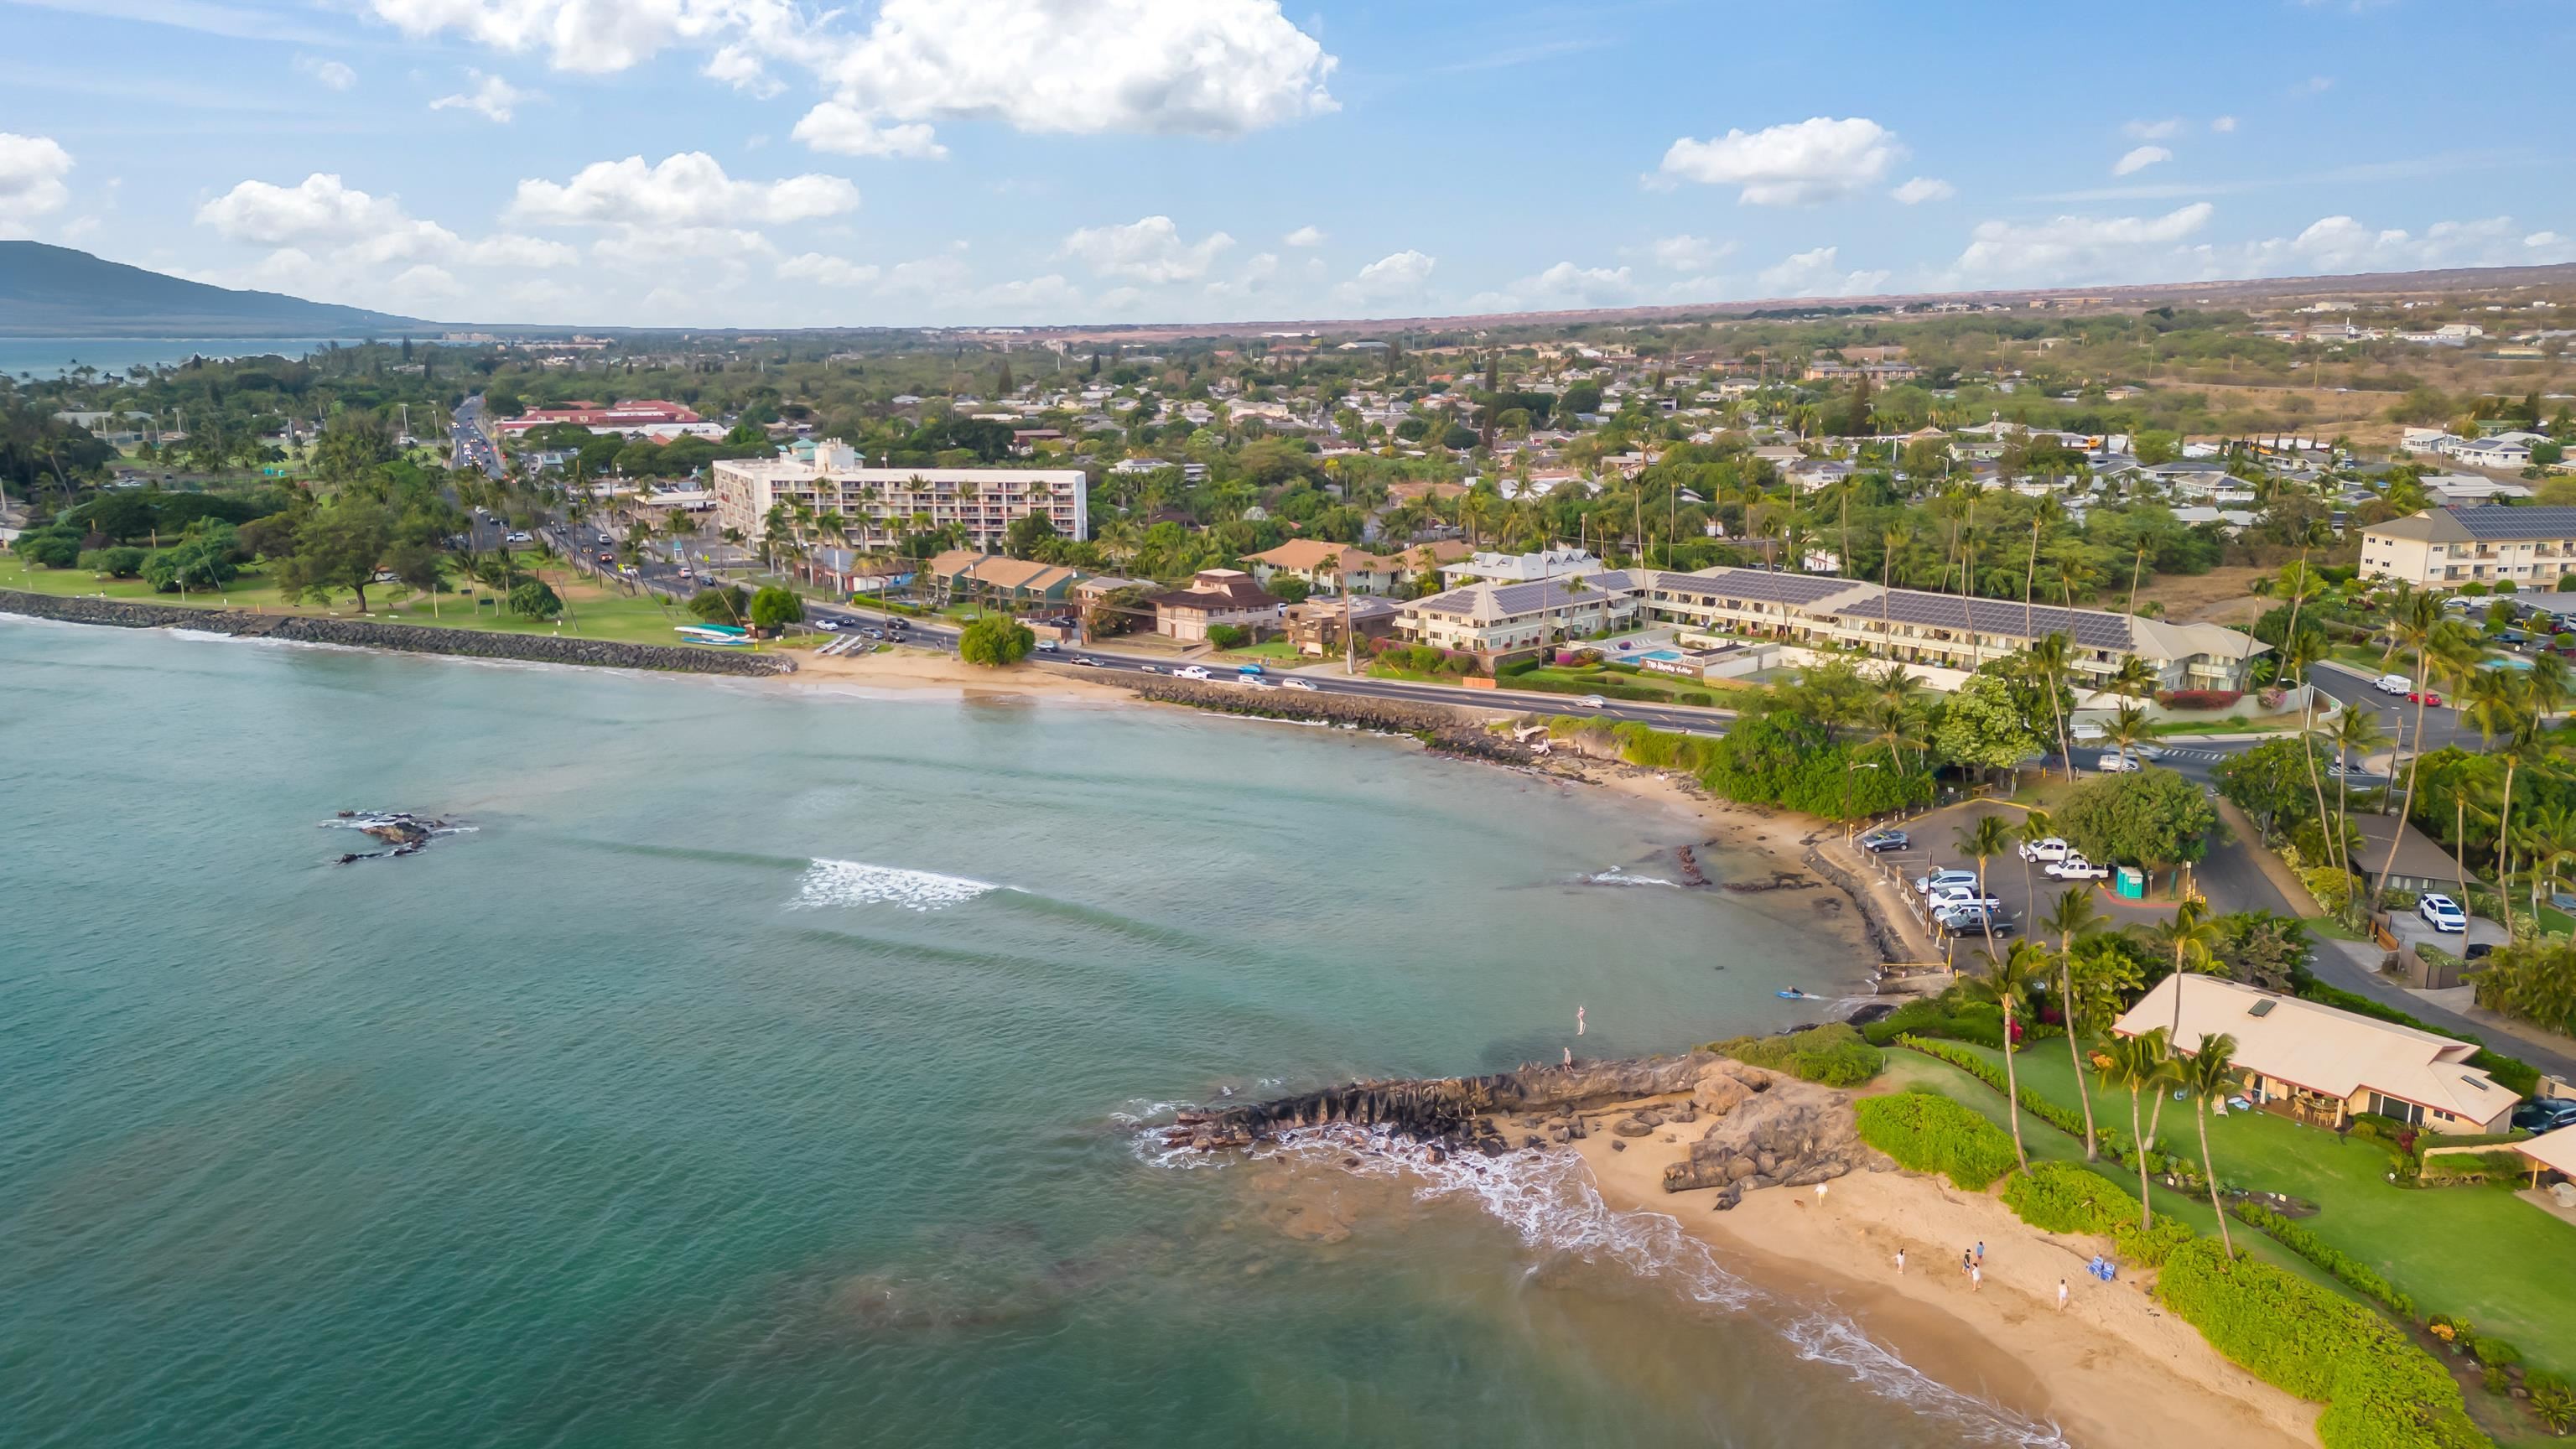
<point>2114,1370</point>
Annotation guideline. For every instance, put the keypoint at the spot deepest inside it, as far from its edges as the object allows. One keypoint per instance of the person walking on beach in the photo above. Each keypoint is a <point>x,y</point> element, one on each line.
<point>1900,1262</point>
<point>1820,1194</point>
<point>1981,1252</point>
<point>1569,1056</point>
<point>1578,1021</point>
<point>1976,1277</point>
<point>1967,1264</point>
<point>2061,1295</point>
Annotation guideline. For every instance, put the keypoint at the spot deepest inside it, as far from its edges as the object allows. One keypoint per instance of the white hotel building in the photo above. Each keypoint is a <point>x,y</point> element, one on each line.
<point>881,505</point>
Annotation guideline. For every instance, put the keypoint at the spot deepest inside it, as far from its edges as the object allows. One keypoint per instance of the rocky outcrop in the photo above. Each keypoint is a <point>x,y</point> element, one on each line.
<point>403,638</point>
<point>1403,716</point>
<point>1444,1107</point>
<point>1772,1130</point>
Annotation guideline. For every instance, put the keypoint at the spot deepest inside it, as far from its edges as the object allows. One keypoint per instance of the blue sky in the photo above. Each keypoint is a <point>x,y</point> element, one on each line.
<point>769,163</point>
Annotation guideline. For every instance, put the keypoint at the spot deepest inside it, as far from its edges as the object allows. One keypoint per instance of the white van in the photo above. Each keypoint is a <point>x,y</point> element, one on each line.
<point>2393,684</point>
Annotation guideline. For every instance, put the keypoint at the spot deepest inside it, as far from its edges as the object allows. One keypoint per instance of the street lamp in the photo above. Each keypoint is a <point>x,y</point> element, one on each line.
<point>1847,779</point>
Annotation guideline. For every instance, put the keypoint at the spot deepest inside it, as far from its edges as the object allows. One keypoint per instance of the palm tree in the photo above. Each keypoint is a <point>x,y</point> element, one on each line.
<point>2036,826</point>
<point>2046,659</point>
<point>2498,703</point>
<point>2190,936</point>
<point>1986,839</point>
<point>2137,1065</point>
<point>2074,915</point>
<point>2414,626</point>
<point>2355,734</point>
<point>2134,679</point>
<point>2206,1074</point>
<point>2007,983</point>
<point>2129,728</point>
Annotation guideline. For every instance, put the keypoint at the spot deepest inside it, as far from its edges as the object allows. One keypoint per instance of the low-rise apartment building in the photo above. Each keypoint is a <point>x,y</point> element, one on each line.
<point>2447,547</point>
<point>1215,597</point>
<point>1493,620</point>
<point>878,506</point>
<point>1939,630</point>
<point>1339,567</point>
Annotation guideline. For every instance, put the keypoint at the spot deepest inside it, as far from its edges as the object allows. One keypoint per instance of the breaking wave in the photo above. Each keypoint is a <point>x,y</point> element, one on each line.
<point>857,883</point>
<point>1549,1201</point>
<point>1614,876</point>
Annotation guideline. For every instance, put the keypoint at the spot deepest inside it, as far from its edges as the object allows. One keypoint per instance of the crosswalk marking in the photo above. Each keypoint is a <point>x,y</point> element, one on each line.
<point>2190,754</point>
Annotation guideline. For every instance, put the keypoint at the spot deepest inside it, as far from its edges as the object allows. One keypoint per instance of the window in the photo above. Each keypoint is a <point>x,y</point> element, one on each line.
<point>2406,1112</point>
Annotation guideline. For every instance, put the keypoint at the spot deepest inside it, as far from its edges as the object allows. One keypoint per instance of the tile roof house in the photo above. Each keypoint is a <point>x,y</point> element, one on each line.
<point>2320,1065</point>
<point>963,573</point>
<point>1214,597</point>
<point>1494,619</point>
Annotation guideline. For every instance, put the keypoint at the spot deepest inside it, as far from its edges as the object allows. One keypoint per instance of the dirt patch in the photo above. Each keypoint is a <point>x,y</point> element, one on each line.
<point>2220,596</point>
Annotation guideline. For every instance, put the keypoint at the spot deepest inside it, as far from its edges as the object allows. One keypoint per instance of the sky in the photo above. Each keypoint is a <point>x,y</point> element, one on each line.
<point>771,163</point>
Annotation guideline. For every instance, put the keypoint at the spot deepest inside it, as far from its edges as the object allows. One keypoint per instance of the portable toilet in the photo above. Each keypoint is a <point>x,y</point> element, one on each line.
<point>2129,883</point>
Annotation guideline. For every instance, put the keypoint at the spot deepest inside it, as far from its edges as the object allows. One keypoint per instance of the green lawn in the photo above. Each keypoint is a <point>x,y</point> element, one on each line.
<point>1269,651</point>
<point>595,613</point>
<point>1667,685</point>
<point>2477,1251</point>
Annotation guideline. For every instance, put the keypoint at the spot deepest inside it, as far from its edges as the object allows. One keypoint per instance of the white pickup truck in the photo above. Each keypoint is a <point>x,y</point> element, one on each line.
<point>2076,867</point>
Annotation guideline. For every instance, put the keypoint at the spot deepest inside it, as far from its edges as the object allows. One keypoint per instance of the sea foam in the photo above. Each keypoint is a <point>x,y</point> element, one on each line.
<point>1548,1199</point>
<point>857,883</point>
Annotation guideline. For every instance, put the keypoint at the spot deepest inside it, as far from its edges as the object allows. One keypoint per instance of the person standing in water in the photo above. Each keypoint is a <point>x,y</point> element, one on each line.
<point>1578,1021</point>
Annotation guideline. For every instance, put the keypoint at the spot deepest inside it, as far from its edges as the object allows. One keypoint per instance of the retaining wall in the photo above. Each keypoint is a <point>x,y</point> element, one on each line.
<point>404,638</point>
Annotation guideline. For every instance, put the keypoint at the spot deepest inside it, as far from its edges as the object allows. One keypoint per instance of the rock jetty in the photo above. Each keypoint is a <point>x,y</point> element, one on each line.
<point>1445,1107</point>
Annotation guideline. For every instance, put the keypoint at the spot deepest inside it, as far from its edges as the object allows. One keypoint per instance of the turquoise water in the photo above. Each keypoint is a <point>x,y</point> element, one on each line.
<point>764,1069</point>
<point>49,356</point>
<point>2509,661</point>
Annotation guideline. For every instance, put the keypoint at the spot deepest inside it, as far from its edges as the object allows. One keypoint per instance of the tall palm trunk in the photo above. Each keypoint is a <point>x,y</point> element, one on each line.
<point>2504,851</point>
<point>2423,661</point>
<point>2012,1079</point>
<point>2138,1144</point>
<point>2075,1053</point>
<point>2209,1174</point>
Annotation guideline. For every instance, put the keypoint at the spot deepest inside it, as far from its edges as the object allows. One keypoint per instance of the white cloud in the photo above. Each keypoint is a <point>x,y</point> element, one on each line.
<point>2344,244</point>
<point>517,252</point>
<point>825,271</point>
<point>688,189</point>
<point>845,131</point>
<point>492,98</point>
<point>1797,164</point>
<point>319,208</point>
<point>2078,248</point>
<point>1304,236</point>
<point>1398,276</point>
<point>1195,67</point>
<point>1581,286</point>
<point>1687,253</point>
<point>427,283</point>
<point>1149,250</point>
<point>1922,189</point>
<point>31,178</point>
<point>1819,273</point>
<point>2315,85</point>
<point>2164,130</point>
<point>1258,271</point>
<point>2222,124</point>
<point>595,36</point>
<point>330,73</point>
<point>2140,159</point>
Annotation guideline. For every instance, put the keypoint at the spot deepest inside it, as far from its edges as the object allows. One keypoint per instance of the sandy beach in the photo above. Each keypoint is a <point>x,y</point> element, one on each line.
<point>915,670</point>
<point>2113,1370</point>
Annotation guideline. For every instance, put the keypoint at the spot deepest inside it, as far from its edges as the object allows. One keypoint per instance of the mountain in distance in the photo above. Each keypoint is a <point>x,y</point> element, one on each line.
<point>51,291</point>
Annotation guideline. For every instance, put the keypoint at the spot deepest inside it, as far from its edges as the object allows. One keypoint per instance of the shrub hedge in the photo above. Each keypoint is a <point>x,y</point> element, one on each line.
<point>2061,1197</point>
<point>2065,1119</point>
<point>1833,1054</point>
<point>2379,1389</point>
<point>1927,1132</point>
<point>2340,1265</point>
<point>2150,1246</point>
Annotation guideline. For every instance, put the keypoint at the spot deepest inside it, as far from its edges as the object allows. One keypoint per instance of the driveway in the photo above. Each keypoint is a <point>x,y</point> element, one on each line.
<point>2410,928</point>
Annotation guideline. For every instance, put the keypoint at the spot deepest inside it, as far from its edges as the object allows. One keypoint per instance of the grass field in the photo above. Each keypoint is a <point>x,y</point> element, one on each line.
<point>592,612</point>
<point>2479,1252</point>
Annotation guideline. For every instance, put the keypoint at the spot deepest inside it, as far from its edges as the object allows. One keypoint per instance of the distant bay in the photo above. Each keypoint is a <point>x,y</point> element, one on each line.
<point>53,356</point>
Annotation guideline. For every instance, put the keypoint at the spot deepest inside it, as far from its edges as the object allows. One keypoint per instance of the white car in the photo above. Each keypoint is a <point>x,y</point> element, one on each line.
<point>1192,672</point>
<point>2076,867</point>
<point>1304,684</point>
<point>2118,762</point>
<point>1590,701</point>
<point>1046,646</point>
<point>1952,898</point>
<point>1253,681</point>
<point>518,537</point>
<point>2441,913</point>
<point>2053,848</point>
<point>1940,878</point>
<point>2392,684</point>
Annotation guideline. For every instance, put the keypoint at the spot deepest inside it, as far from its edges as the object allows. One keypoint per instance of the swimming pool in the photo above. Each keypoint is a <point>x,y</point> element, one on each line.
<point>2509,662</point>
<point>1660,654</point>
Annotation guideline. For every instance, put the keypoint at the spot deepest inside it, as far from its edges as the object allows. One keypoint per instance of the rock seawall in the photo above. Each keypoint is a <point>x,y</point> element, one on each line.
<point>402,638</point>
<point>1441,1106</point>
<point>1404,716</point>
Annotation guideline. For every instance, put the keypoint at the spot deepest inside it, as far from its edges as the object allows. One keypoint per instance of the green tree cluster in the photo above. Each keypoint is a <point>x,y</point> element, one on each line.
<point>995,642</point>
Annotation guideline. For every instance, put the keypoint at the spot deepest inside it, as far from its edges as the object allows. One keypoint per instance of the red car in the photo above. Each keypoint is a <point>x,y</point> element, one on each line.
<point>2424,697</point>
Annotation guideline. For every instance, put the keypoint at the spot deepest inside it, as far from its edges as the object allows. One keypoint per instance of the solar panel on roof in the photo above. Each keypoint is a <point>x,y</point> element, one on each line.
<point>2499,522</point>
<point>2088,629</point>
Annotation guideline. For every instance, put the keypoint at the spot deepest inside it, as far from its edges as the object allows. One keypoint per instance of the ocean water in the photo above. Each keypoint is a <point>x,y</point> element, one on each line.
<point>775,1067</point>
<point>50,356</point>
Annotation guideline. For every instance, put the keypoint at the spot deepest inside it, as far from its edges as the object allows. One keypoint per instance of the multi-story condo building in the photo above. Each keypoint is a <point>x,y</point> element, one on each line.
<point>2447,547</point>
<point>1941,630</point>
<point>1727,605</point>
<point>878,506</point>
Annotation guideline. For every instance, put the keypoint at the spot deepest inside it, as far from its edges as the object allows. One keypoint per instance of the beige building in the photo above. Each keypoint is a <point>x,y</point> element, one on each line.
<point>880,505</point>
<point>2447,547</point>
<point>1492,619</point>
<point>1335,566</point>
<point>2320,1065</point>
<point>1942,630</point>
<point>1214,597</point>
